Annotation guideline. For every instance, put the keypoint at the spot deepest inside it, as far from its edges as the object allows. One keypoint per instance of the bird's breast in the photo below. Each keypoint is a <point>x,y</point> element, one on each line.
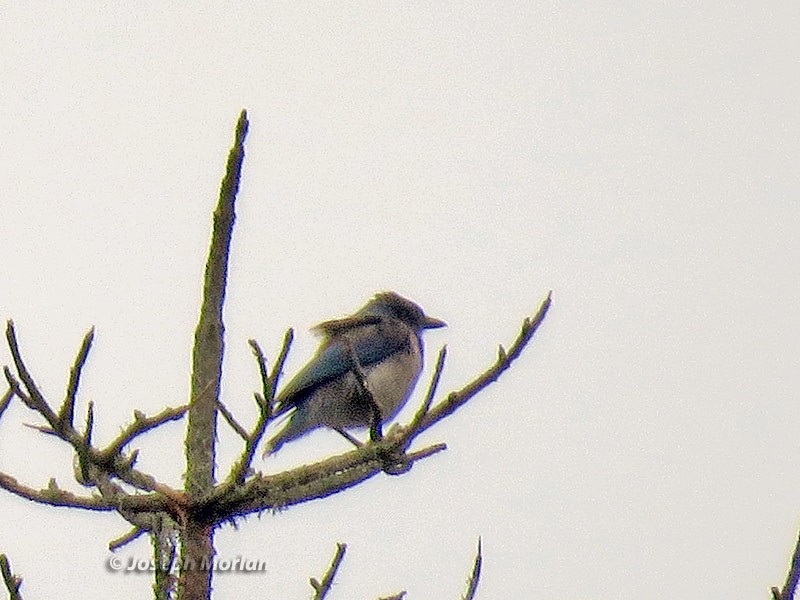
<point>390,382</point>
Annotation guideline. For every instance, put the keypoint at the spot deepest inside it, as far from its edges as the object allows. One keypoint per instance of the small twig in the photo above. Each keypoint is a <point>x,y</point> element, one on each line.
<point>95,468</point>
<point>34,398</point>
<point>504,360</point>
<point>142,424</point>
<point>322,588</point>
<point>87,432</point>
<point>262,399</point>
<point>67,411</point>
<point>425,452</point>
<point>133,534</point>
<point>6,400</point>
<point>399,463</point>
<point>16,388</point>
<point>475,576</point>
<point>13,582</point>
<point>231,420</point>
<point>434,384</point>
<point>277,370</point>
<point>53,495</point>
<point>242,466</point>
<point>45,429</point>
<point>792,578</point>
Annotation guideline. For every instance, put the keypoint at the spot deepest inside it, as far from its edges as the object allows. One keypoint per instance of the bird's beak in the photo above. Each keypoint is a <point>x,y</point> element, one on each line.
<point>431,323</point>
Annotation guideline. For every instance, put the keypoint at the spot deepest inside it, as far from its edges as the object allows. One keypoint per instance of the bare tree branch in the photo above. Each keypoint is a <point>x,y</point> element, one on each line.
<point>475,576</point>
<point>142,424</point>
<point>34,398</point>
<point>321,588</point>
<point>309,482</point>
<point>5,400</point>
<point>457,399</point>
<point>231,420</point>
<point>434,384</point>
<point>53,495</point>
<point>133,534</point>
<point>269,382</point>
<point>792,578</point>
<point>67,410</point>
<point>262,399</point>
<point>12,582</point>
<point>197,538</point>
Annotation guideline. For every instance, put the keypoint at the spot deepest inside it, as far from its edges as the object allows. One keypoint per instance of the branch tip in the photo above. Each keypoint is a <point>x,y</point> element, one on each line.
<point>12,582</point>
<point>321,588</point>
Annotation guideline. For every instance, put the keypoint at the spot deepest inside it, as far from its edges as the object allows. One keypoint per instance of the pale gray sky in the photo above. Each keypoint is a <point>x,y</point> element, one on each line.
<point>640,160</point>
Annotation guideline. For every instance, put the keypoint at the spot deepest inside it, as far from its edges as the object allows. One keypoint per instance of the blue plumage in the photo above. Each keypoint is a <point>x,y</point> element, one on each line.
<point>384,338</point>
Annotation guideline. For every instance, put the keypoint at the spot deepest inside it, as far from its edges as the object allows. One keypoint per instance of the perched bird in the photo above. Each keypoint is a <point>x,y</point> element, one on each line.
<point>379,348</point>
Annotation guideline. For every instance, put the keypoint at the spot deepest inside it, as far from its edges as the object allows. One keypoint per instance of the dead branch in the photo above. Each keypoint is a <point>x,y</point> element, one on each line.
<point>321,588</point>
<point>475,576</point>
<point>792,578</point>
<point>65,414</point>
<point>12,582</point>
<point>269,382</point>
<point>142,424</point>
<point>197,538</point>
<point>53,495</point>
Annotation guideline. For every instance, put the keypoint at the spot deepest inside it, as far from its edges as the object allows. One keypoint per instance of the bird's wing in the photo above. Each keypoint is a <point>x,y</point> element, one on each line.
<point>335,326</point>
<point>370,344</point>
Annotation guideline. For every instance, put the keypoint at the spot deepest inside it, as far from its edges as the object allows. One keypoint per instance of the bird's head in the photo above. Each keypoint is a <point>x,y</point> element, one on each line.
<point>390,304</point>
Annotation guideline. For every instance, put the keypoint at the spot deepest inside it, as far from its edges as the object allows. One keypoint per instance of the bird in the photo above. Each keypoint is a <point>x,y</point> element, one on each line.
<point>378,348</point>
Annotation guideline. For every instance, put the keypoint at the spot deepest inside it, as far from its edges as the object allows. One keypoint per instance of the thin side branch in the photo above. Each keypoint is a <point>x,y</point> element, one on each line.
<point>262,399</point>
<point>269,381</point>
<point>5,400</point>
<point>434,384</point>
<point>475,576</point>
<point>53,495</point>
<point>94,468</point>
<point>142,424</point>
<point>457,399</point>
<point>277,367</point>
<point>12,582</point>
<point>34,398</point>
<point>321,588</point>
<point>67,411</point>
<point>231,420</point>
<point>792,578</point>
<point>133,534</point>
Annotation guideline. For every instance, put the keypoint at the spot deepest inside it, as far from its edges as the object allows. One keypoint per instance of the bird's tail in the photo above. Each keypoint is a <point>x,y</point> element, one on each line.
<point>294,429</point>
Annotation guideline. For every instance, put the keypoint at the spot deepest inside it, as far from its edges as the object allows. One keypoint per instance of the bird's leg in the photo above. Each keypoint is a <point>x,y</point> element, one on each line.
<point>375,427</point>
<point>356,442</point>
